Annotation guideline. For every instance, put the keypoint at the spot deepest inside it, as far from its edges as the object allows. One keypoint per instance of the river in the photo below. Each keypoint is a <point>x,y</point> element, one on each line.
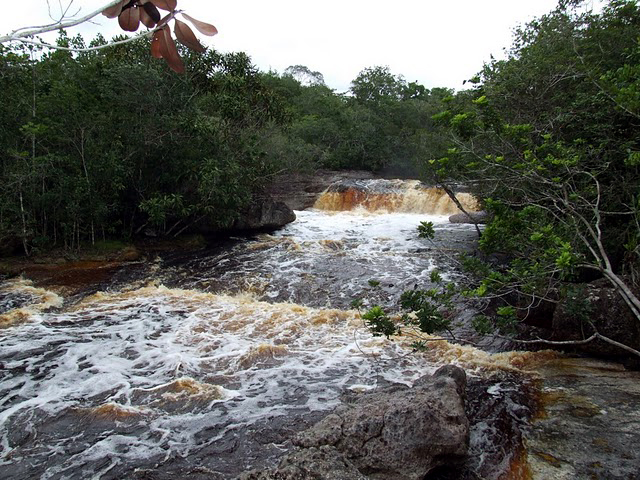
<point>203,364</point>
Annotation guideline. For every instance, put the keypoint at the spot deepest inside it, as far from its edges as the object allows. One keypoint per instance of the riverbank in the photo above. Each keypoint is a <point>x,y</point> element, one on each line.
<point>231,351</point>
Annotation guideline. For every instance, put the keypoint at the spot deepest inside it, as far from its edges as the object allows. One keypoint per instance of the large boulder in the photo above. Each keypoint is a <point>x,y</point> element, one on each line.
<point>264,213</point>
<point>395,433</point>
<point>481,217</point>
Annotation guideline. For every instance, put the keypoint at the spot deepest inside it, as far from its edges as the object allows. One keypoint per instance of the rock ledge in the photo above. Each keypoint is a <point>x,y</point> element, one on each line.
<point>396,433</point>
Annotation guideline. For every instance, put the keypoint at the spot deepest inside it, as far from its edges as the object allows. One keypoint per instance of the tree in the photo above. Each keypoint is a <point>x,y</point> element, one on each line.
<point>376,84</point>
<point>305,76</point>
<point>548,139</point>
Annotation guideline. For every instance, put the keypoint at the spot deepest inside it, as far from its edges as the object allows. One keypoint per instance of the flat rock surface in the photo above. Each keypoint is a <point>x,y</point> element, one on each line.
<point>589,423</point>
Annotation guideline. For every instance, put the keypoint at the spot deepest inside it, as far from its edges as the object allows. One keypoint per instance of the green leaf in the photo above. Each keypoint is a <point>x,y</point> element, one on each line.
<point>426,230</point>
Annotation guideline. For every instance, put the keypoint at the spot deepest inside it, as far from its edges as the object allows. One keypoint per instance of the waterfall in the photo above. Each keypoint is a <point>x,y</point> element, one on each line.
<point>215,359</point>
<point>391,196</point>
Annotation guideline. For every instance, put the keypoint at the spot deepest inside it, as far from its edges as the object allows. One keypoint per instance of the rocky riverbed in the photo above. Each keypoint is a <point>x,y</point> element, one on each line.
<point>243,359</point>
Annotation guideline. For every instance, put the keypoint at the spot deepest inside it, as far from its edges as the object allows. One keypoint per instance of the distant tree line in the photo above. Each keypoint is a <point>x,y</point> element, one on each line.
<point>106,143</point>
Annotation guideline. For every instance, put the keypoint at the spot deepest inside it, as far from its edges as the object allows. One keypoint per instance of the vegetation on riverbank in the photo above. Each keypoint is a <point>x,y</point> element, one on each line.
<point>111,142</point>
<point>549,139</point>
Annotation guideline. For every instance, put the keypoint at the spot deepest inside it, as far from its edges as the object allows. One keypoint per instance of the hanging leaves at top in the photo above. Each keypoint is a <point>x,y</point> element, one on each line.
<point>152,11</point>
<point>169,5</point>
<point>113,12</point>
<point>185,36</point>
<point>203,28</point>
<point>131,13</point>
<point>149,15</point>
<point>129,19</point>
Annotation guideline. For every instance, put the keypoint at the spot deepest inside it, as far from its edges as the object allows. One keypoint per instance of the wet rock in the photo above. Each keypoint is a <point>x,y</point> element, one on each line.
<point>393,433</point>
<point>324,463</point>
<point>264,213</point>
<point>589,423</point>
<point>537,312</point>
<point>300,191</point>
<point>481,217</point>
<point>598,303</point>
<point>10,245</point>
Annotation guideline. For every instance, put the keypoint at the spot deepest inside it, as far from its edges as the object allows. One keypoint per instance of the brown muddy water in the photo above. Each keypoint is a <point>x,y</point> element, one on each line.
<point>203,365</point>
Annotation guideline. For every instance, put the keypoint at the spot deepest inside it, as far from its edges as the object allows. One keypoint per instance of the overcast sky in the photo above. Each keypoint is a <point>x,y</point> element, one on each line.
<point>437,43</point>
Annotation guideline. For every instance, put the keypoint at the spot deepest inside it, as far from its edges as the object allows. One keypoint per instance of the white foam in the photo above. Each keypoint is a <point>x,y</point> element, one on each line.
<point>129,349</point>
<point>185,361</point>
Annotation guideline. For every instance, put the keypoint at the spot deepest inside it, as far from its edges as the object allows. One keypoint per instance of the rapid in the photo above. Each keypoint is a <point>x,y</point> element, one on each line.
<point>205,365</point>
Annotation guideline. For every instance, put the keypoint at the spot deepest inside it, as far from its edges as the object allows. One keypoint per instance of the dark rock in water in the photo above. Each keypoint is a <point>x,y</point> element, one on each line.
<point>10,245</point>
<point>300,191</point>
<point>264,213</point>
<point>598,303</point>
<point>481,217</point>
<point>392,433</point>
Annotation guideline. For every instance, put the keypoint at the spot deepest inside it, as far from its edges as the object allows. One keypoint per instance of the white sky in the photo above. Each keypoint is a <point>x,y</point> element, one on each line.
<point>437,43</point>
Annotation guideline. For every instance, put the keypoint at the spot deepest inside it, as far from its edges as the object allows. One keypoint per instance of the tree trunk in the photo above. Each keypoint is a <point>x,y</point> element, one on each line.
<point>455,200</point>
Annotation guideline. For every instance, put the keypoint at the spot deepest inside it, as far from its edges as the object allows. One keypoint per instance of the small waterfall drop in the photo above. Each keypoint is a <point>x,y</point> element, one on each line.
<point>212,360</point>
<point>392,196</point>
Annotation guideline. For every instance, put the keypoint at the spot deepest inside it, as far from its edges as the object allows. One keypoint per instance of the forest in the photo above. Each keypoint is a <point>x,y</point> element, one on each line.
<point>96,144</point>
<point>103,144</point>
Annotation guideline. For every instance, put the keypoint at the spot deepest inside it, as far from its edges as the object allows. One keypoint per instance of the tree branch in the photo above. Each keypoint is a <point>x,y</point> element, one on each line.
<point>88,49</point>
<point>19,35</point>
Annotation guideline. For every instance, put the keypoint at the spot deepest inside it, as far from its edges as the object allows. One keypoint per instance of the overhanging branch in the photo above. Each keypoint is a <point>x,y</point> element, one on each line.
<point>22,34</point>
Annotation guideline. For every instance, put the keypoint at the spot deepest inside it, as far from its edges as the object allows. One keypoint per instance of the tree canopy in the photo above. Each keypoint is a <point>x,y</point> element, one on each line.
<point>548,138</point>
<point>100,142</point>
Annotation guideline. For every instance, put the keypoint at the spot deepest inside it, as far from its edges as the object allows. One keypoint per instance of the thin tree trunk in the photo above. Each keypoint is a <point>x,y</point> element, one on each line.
<point>455,200</point>
<point>24,224</point>
<point>86,177</point>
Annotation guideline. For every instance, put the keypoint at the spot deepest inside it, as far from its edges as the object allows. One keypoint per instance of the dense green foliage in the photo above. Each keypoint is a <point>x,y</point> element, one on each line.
<point>105,143</point>
<point>380,126</point>
<point>549,139</point>
<point>110,143</point>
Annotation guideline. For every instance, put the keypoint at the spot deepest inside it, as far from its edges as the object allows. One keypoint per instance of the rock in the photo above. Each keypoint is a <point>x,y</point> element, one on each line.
<point>588,424</point>
<point>399,434</point>
<point>10,245</point>
<point>300,191</point>
<point>128,254</point>
<point>324,463</point>
<point>264,213</point>
<point>481,217</point>
<point>395,433</point>
<point>599,303</point>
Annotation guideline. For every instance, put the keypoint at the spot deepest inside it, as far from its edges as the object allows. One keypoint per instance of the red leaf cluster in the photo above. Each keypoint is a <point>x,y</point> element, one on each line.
<point>131,13</point>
